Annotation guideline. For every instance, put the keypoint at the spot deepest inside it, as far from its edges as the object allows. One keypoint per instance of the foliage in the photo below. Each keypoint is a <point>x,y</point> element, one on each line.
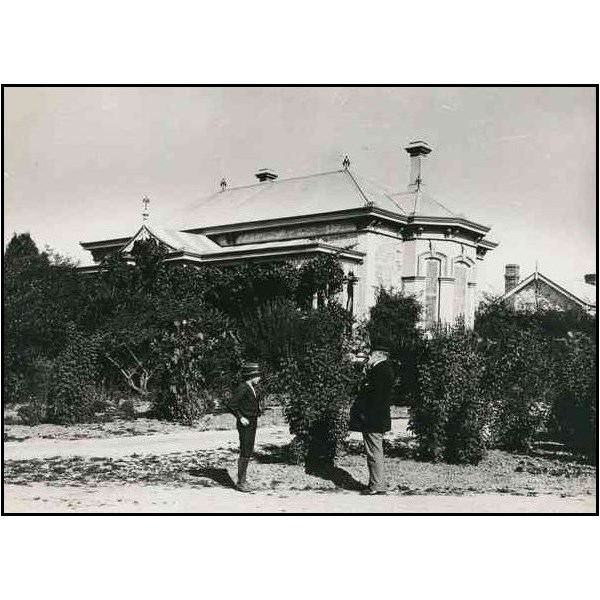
<point>279,331</point>
<point>447,414</point>
<point>192,360</point>
<point>392,325</point>
<point>271,333</point>
<point>40,292</point>
<point>240,289</point>
<point>518,383</point>
<point>71,387</point>
<point>34,391</point>
<point>127,409</point>
<point>495,318</point>
<point>319,386</point>
<point>322,277</point>
<point>534,369</point>
<point>575,409</point>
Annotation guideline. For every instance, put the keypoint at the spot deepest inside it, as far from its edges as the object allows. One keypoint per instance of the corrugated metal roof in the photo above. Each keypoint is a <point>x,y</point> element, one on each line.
<point>422,203</point>
<point>298,196</point>
<point>579,288</point>
<point>177,240</point>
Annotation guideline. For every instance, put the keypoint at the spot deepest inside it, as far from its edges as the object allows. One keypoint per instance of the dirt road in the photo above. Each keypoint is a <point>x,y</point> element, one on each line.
<point>165,498</point>
<point>140,444</point>
<point>162,499</point>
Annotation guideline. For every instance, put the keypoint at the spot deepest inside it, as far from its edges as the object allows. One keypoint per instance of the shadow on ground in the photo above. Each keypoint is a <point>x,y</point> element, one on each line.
<point>219,476</point>
<point>338,476</point>
<point>274,454</point>
<point>396,448</point>
<point>271,454</point>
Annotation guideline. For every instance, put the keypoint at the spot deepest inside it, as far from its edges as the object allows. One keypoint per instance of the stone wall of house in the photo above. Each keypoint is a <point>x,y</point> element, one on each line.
<point>382,266</point>
<point>436,285</point>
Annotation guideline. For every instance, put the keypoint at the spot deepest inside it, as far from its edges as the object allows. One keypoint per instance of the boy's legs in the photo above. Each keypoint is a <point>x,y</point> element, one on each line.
<point>247,436</point>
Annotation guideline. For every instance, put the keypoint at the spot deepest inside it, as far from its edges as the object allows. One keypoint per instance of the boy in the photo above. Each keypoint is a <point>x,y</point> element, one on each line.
<point>246,406</point>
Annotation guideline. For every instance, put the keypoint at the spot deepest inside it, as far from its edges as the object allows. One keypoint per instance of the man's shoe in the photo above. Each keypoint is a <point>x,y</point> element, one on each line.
<point>243,487</point>
<point>369,492</point>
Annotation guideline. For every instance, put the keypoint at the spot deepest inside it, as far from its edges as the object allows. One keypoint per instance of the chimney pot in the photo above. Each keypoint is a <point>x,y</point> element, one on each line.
<point>266,175</point>
<point>417,149</point>
<point>511,277</point>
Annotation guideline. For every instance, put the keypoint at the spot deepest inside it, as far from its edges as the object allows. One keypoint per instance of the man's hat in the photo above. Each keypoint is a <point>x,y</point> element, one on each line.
<point>380,347</point>
<point>250,369</point>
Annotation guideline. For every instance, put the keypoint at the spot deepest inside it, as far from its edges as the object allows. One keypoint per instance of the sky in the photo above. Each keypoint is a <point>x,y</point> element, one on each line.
<point>78,161</point>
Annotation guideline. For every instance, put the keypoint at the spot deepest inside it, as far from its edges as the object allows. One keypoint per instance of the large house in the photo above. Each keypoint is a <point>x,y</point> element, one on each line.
<point>406,240</point>
<point>538,291</point>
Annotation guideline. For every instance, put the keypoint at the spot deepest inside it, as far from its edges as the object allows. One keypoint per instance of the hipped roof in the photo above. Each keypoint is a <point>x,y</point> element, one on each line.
<point>276,199</point>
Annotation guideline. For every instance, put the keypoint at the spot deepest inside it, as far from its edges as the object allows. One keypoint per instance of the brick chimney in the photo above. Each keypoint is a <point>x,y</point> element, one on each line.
<point>511,277</point>
<point>417,150</point>
<point>265,175</point>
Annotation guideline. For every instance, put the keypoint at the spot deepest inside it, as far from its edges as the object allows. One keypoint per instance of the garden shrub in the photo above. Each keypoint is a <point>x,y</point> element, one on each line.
<point>39,291</point>
<point>392,324</point>
<point>270,333</point>
<point>279,331</point>
<point>193,362</point>
<point>32,413</point>
<point>71,387</point>
<point>34,391</point>
<point>319,387</point>
<point>495,319</point>
<point>519,381</point>
<point>447,416</point>
<point>575,407</point>
<point>127,409</point>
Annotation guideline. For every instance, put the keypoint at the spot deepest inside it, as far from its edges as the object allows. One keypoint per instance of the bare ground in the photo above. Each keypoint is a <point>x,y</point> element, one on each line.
<point>190,470</point>
<point>40,498</point>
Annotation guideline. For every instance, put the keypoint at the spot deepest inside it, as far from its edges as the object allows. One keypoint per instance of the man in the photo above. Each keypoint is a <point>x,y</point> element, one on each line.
<point>246,406</point>
<point>370,415</point>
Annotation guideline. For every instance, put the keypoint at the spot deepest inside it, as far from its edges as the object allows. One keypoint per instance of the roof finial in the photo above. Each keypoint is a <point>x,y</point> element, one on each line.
<point>346,162</point>
<point>223,184</point>
<point>146,213</point>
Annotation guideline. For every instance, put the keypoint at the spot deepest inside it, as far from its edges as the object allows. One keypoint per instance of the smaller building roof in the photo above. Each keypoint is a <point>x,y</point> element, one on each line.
<point>579,294</point>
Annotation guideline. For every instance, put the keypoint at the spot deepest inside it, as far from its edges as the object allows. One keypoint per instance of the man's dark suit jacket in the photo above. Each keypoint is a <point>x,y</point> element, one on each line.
<point>371,411</point>
<point>244,403</point>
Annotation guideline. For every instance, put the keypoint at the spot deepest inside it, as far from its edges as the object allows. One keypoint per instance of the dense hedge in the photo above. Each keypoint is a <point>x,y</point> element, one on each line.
<point>319,387</point>
<point>71,393</point>
<point>127,313</point>
<point>196,361</point>
<point>541,374</point>
<point>180,334</point>
<point>519,380</point>
<point>575,410</point>
<point>447,415</point>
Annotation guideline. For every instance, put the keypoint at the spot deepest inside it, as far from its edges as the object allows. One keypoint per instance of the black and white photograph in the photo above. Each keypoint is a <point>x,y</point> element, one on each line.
<point>299,299</point>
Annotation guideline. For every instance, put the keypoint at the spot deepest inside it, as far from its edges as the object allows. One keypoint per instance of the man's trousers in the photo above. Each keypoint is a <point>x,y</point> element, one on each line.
<point>374,450</point>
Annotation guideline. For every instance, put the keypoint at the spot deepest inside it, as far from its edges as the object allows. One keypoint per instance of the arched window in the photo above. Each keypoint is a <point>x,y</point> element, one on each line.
<point>432,291</point>
<point>460,290</point>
